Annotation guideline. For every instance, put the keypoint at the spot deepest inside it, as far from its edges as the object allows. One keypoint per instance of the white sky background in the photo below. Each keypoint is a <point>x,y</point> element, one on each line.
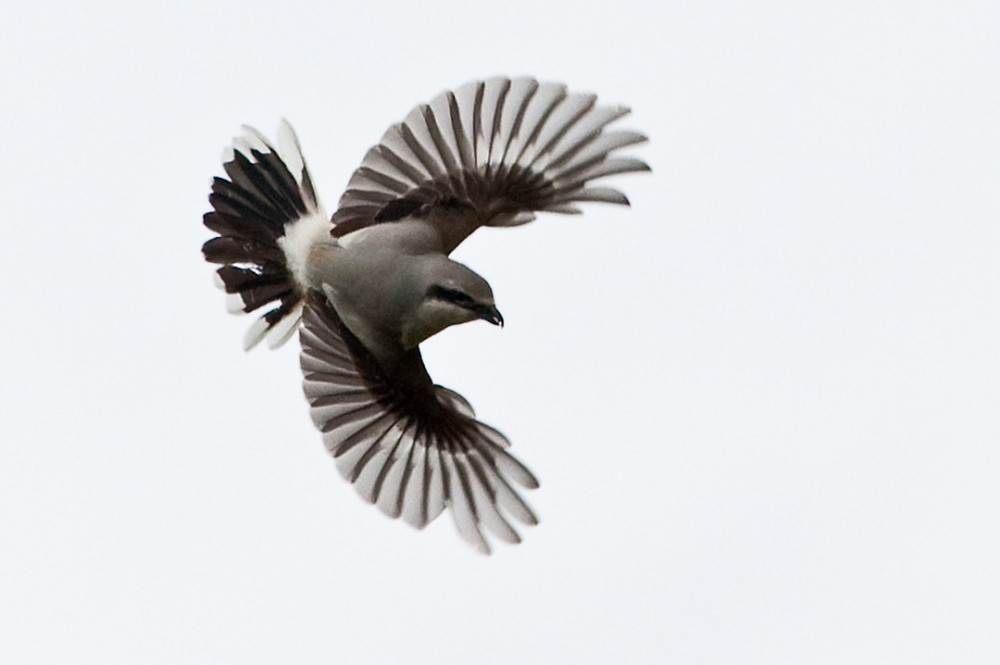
<point>764,402</point>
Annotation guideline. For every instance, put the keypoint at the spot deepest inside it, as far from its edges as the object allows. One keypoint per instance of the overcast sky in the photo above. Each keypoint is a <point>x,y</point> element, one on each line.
<point>763,403</point>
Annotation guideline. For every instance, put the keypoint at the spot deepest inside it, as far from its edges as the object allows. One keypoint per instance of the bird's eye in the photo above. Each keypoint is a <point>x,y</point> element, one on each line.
<point>460,298</point>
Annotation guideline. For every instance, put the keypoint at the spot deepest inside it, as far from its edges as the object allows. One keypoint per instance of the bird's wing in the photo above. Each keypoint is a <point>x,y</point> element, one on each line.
<point>500,149</point>
<point>266,214</point>
<point>409,446</point>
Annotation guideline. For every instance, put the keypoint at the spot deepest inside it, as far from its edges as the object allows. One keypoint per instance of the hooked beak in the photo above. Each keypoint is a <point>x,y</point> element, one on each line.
<point>492,314</point>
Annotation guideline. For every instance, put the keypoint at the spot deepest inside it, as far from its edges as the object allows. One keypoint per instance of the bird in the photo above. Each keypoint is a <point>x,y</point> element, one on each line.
<point>365,286</point>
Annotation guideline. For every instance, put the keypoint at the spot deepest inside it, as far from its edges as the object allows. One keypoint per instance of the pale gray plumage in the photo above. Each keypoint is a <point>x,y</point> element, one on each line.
<point>372,283</point>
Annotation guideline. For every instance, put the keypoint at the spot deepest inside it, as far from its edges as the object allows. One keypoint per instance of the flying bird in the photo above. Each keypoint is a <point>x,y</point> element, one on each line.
<point>365,287</point>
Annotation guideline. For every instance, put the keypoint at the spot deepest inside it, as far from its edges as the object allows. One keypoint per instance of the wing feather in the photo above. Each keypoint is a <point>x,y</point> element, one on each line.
<point>462,506</point>
<point>412,448</point>
<point>502,148</point>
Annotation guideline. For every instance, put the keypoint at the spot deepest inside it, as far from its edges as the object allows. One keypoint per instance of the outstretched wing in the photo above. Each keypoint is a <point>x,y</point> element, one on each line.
<point>502,149</point>
<point>407,445</point>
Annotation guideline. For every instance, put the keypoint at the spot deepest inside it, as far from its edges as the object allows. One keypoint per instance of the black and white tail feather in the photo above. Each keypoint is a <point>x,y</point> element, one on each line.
<point>501,150</point>
<point>266,214</point>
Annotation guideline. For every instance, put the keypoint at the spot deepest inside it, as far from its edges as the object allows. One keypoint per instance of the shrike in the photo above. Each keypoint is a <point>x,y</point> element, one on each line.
<point>367,286</point>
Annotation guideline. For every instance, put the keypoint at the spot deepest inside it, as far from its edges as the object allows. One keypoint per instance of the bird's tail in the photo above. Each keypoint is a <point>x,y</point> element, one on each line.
<point>267,215</point>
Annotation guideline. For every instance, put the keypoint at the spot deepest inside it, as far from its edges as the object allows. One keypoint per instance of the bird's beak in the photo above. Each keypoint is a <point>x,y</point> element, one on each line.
<point>492,314</point>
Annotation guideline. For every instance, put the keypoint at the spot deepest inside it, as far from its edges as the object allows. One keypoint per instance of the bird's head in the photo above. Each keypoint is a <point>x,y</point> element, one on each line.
<point>451,294</point>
